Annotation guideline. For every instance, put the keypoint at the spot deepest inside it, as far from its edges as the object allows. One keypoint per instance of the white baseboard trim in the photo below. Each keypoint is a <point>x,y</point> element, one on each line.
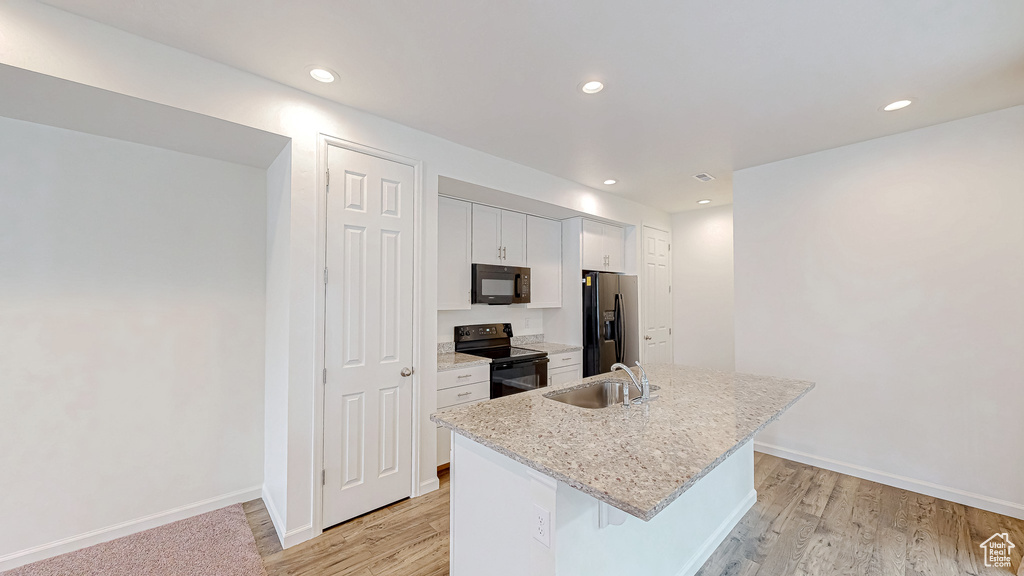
<point>297,536</point>
<point>275,517</point>
<point>84,540</point>
<point>428,486</point>
<point>287,538</point>
<point>718,536</point>
<point>1012,509</point>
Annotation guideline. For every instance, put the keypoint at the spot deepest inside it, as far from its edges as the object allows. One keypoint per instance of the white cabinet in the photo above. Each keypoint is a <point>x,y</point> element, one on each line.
<point>454,254</point>
<point>564,367</point>
<point>455,388</point>
<point>604,247</point>
<point>499,236</point>
<point>544,257</point>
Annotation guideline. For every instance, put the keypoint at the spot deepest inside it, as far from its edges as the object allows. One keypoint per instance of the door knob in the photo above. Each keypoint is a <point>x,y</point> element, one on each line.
<point>647,337</point>
<point>406,372</point>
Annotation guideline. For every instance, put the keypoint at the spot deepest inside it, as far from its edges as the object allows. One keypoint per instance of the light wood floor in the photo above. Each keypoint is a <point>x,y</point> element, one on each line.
<point>806,521</point>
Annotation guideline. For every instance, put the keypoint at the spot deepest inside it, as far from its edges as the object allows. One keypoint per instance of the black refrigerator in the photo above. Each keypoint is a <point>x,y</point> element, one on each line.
<point>610,328</point>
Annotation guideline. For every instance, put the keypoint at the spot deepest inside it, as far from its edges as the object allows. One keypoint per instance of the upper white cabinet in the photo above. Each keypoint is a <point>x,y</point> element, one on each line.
<point>604,247</point>
<point>499,236</point>
<point>544,257</point>
<point>454,254</point>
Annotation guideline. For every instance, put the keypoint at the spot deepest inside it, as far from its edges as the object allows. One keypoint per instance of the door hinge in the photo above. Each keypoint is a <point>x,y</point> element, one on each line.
<point>325,275</point>
<point>325,375</point>
<point>669,289</point>
<point>323,477</point>
<point>669,331</point>
<point>669,247</point>
<point>328,181</point>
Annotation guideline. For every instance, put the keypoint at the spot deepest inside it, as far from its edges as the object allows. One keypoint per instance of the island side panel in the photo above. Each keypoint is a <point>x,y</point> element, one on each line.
<point>676,542</point>
<point>492,513</point>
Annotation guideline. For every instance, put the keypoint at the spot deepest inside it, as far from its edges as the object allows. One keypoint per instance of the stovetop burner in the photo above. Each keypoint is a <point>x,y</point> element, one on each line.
<point>501,353</point>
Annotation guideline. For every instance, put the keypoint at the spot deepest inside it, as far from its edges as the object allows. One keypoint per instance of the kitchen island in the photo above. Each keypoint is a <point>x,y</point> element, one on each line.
<point>546,488</point>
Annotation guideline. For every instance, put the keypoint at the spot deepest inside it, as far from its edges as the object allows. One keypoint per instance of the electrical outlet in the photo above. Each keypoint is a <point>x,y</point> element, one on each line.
<point>542,525</point>
<point>526,322</point>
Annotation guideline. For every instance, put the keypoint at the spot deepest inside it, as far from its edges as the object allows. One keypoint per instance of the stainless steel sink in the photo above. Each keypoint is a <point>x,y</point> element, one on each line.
<point>601,394</point>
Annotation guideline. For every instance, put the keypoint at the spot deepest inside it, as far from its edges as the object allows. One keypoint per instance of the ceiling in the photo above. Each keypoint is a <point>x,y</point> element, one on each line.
<point>691,85</point>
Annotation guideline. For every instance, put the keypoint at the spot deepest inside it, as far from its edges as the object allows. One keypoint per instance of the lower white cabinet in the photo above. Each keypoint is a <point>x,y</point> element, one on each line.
<point>564,367</point>
<point>459,387</point>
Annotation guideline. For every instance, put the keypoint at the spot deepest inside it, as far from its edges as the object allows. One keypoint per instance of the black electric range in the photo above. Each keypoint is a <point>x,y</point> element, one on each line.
<point>513,369</point>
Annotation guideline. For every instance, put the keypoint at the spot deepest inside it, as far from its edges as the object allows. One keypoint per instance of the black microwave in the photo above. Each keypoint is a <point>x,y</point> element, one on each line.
<point>500,284</point>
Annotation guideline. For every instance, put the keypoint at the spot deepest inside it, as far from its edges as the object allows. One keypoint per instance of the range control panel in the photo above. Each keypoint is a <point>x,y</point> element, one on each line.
<point>483,332</point>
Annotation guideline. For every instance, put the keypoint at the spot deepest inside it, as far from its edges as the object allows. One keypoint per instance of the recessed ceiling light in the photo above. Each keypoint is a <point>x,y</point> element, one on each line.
<point>609,181</point>
<point>592,87</point>
<point>898,105</point>
<point>322,75</point>
<point>705,201</point>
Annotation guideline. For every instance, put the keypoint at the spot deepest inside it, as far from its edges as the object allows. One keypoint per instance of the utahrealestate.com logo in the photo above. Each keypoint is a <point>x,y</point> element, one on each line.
<point>997,550</point>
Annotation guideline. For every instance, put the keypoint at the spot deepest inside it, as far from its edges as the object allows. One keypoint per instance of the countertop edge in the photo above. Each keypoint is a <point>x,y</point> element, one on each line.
<point>645,515</point>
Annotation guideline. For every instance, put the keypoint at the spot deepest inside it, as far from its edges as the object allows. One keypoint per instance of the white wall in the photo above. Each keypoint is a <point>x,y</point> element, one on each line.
<point>525,321</point>
<point>891,272</point>
<point>49,41</point>
<point>702,288</point>
<point>131,333</point>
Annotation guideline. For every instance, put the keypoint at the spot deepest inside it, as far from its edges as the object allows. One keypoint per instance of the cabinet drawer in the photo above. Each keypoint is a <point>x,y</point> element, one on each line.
<point>462,394</point>
<point>556,361</point>
<point>460,376</point>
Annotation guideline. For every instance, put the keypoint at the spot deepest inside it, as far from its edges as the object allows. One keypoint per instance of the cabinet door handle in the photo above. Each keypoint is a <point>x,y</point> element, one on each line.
<point>499,252</point>
<point>464,376</point>
<point>504,254</point>
<point>567,358</point>
<point>461,394</point>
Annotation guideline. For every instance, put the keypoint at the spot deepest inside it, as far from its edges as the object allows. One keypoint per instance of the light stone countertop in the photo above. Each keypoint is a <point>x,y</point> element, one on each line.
<point>552,347</point>
<point>456,360</point>
<point>637,459</point>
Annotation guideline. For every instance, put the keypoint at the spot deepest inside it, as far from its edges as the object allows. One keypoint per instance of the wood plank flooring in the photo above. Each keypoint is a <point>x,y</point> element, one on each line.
<point>807,521</point>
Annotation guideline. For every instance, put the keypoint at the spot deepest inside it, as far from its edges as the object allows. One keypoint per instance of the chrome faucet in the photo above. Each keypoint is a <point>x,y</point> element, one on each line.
<point>625,385</point>
<point>645,384</point>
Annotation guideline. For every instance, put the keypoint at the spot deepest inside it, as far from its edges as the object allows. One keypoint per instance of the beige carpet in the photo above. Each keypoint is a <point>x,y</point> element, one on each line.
<point>218,543</point>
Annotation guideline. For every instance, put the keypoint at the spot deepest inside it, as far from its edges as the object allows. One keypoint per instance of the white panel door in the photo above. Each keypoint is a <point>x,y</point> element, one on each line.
<point>486,235</point>
<point>454,254</point>
<point>657,303</point>
<point>513,238</point>
<point>544,257</point>
<point>367,334</point>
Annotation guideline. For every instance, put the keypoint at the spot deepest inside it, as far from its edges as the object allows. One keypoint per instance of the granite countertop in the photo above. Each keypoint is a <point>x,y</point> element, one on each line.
<point>455,360</point>
<point>552,347</point>
<point>637,459</point>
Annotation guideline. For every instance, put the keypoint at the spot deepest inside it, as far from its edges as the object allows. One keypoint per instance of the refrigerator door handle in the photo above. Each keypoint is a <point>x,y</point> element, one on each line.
<point>618,327</point>
<point>622,328</point>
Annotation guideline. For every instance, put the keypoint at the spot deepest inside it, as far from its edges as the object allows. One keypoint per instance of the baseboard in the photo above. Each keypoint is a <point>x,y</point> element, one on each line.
<point>275,517</point>
<point>429,486</point>
<point>1012,509</point>
<point>287,538</point>
<point>718,536</point>
<point>297,536</point>
<point>84,540</point>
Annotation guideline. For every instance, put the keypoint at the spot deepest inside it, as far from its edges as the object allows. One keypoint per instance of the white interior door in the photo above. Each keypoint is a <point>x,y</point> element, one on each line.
<point>657,332</point>
<point>368,334</point>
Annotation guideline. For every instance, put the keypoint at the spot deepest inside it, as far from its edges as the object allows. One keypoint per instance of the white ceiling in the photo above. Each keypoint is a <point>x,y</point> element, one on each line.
<point>692,85</point>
